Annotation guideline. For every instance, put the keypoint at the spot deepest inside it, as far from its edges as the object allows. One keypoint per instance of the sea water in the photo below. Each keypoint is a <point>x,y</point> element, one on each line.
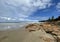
<point>7,26</point>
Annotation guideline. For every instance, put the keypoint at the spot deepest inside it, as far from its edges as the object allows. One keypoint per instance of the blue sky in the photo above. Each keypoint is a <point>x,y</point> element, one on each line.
<point>28,10</point>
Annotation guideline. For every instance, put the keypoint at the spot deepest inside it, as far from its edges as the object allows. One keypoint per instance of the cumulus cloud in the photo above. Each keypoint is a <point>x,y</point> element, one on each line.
<point>22,8</point>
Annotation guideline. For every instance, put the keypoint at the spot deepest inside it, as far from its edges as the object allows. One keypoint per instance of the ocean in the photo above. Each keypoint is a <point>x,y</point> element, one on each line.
<point>8,26</point>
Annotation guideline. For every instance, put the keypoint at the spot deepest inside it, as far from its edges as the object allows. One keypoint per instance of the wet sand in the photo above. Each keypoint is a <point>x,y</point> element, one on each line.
<point>17,35</point>
<point>13,36</point>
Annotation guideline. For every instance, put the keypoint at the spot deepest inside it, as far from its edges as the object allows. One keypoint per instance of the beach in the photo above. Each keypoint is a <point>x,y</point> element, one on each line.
<point>13,32</point>
<point>31,32</point>
<point>12,36</point>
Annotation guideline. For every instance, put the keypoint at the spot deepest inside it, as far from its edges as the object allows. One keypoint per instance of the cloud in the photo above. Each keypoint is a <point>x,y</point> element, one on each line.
<point>43,18</point>
<point>21,8</point>
<point>7,18</point>
<point>22,19</point>
<point>58,7</point>
<point>39,18</point>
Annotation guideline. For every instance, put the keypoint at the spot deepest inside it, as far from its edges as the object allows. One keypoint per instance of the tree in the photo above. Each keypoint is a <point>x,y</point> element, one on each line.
<point>49,19</point>
<point>59,17</point>
<point>52,18</point>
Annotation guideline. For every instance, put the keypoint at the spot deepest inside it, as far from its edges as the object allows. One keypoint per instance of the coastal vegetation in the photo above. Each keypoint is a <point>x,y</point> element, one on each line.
<point>51,19</point>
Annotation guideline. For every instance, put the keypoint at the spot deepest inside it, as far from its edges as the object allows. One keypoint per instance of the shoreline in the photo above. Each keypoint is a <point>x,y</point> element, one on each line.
<point>22,34</point>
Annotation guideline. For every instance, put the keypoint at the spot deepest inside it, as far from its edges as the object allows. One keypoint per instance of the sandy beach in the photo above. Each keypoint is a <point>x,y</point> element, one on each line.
<point>31,33</point>
<point>13,36</point>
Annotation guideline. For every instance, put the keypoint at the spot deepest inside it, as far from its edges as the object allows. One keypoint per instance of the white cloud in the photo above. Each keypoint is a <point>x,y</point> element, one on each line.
<point>41,4</point>
<point>22,8</point>
<point>22,19</point>
<point>7,18</point>
<point>58,7</point>
<point>44,18</point>
<point>40,18</point>
<point>33,19</point>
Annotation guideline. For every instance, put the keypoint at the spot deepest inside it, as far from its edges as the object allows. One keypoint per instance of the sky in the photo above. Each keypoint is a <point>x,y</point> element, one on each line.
<point>28,10</point>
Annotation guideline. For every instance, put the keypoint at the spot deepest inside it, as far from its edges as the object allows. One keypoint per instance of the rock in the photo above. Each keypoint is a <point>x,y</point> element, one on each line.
<point>45,26</point>
<point>39,36</point>
<point>58,38</point>
<point>32,27</point>
<point>46,32</point>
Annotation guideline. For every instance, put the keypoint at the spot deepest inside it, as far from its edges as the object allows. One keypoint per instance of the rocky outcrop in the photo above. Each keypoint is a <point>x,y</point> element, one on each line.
<point>47,32</point>
<point>32,27</point>
<point>39,36</point>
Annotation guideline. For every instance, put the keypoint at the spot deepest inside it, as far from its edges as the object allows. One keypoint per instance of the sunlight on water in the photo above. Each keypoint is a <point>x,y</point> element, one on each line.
<point>5,26</point>
<point>8,26</point>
